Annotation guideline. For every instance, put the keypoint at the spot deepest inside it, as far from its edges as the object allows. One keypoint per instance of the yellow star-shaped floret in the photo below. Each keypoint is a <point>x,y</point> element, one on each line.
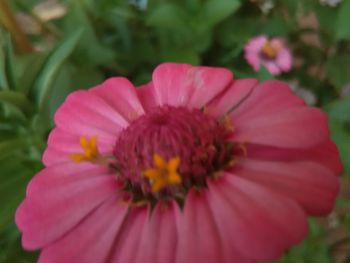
<point>90,154</point>
<point>164,173</point>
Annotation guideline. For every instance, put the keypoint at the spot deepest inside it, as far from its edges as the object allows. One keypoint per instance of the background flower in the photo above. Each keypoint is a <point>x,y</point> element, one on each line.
<point>270,53</point>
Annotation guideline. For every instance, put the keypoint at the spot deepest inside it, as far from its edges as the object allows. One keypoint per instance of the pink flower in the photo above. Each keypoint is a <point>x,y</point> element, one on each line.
<point>191,167</point>
<point>273,54</point>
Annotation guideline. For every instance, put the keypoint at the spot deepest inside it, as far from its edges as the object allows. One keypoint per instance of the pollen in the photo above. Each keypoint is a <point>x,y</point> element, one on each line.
<point>269,51</point>
<point>90,151</point>
<point>164,173</point>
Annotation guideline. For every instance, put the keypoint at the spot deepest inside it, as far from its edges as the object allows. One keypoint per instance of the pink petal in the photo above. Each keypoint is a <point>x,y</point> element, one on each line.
<point>311,185</point>
<point>57,200</point>
<point>254,60</point>
<point>325,154</point>
<point>252,51</point>
<point>255,44</point>
<point>200,237</point>
<point>284,60</point>
<point>268,97</point>
<point>84,113</point>
<point>297,127</point>
<point>273,116</point>
<point>207,83</point>
<point>261,223</point>
<point>146,94</point>
<point>272,67</point>
<point>159,236</point>
<point>92,239</point>
<point>52,157</point>
<point>277,43</point>
<point>61,144</point>
<point>185,85</point>
<point>128,242</point>
<point>198,233</point>
<point>62,174</point>
<point>120,94</point>
<point>231,97</point>
<point>173,84</point>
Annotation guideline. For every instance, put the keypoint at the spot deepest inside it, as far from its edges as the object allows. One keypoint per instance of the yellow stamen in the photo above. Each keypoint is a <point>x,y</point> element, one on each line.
<point>228,123</point>
<point>232,163</point>
<point>133,115</point>
<point>164,173</point>
<point>243,147</point>
<point>269,51</point>
<point>205,109</point>
<point>90,154</point>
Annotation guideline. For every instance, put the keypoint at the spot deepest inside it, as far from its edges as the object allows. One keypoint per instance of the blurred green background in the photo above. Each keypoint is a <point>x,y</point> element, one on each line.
<point>50,48</point>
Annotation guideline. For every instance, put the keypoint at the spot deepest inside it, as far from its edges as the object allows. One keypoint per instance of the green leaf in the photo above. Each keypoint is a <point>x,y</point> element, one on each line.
<point>9,62</point>
<point>338,70</point>
<point>275,26</point>
<point>264,74</point>
<point>16,99</point>
<point>8,147</point>
<point>70,79</point>
<point>181,56</point>
<point>32,63</point>
<point>43,84</point>
<point>236,30</point>
<point>90,50</point>
<point>3,78</point>
<point>339,120</point>
<point>166,15</point>
<point>14,176</point>
<point>86,77</point>
<point>312,250</point>
<point>342,21</point>
<point>11,248</point>
<point>339,110</point>
<point>326,17</point>
<point>12,190</point>
<point>341,136</point>
<point>214,11</point>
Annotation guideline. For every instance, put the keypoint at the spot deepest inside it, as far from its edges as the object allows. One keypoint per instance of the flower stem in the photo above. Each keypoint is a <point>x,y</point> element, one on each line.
<point>8,19</point>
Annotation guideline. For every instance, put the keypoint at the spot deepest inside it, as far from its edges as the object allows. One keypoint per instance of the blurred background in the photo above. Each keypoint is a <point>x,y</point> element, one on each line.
<point>51,48</point>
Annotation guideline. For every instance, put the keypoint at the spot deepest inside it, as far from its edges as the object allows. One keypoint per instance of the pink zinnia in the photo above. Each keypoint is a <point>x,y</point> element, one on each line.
<point>271,53</point>
<point>191,167</point>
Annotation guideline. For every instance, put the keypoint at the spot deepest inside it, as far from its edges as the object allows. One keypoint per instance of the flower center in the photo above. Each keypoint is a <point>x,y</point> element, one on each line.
<point>166,152</point>
<point>268,51</point>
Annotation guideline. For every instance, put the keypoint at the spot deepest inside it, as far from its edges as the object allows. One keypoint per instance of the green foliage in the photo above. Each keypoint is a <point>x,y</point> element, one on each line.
<point>342,21</point>
<point>264,74</point>
<point>339,110</point>
<point>22,135</point>
<point>339,70</point>
<point>214,11</point>
<point>8,64</point>
<point>96,39</point>
<point>339,114</point>
<point>16,99</point>
<point>167,15</point>
<point>43,84</point>
<point>312,250</point>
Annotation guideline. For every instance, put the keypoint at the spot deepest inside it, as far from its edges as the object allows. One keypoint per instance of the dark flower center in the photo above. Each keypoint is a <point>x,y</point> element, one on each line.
<point>191,136</point>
